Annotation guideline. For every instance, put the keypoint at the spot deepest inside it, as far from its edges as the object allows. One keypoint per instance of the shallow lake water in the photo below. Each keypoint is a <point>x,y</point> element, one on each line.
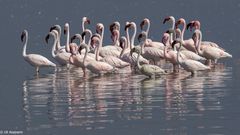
<point>64,102</point>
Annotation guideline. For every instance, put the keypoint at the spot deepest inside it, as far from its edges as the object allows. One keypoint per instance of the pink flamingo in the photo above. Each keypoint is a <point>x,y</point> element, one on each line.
<point>149,42</point>
<point>209,52</point>
<point>188,44</point>
<point>114,61</point>
<point>35,60</point>
<point>171,19</point>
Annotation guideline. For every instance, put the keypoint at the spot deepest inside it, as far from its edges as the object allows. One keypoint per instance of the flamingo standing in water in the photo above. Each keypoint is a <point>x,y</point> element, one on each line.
<point>61,57</point>
<point>108,49</point>
<point>189,65</point>
<point>147,69</point>
<point>96,66</point>
<point>35,60</point>
<point>149,42</point>
<point>196,24</point>
<point>113,61</point>
<point>209,52</point>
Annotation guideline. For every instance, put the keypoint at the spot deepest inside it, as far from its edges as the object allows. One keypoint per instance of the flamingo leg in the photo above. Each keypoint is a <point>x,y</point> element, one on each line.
<point>37,69</point>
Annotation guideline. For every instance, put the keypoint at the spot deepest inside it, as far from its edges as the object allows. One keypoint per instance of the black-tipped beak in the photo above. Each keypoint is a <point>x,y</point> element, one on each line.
<point>65,31</point>
<point>22,36</point>
<point>83,34</point>
<point>165,20</point>
<point>73,38</point>
<point>88,21</point>
<point>190,25</point>
<point>140,37</point>
<point>173,43</point>
<point>47,38</point>
<point>52,28</point>
<point>127,26</point>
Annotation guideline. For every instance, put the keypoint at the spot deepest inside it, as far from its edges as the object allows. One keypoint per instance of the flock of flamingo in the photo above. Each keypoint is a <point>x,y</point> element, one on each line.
<point>91,55</point>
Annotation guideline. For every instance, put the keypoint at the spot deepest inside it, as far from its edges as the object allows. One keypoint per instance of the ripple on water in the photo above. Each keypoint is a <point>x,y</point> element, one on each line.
<point>66,99</point>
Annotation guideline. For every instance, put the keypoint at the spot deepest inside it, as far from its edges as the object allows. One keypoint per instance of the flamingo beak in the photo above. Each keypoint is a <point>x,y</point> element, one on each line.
<point>165,20</point>
<point>47,38</point>
<point>64,31</point>
<point>52,28</point>
<point>190,25</point>
<point>173,43</point>
<point>72,38</point>
<point>127,26</point>
<point>83,34</point>
<point>22,36</point>
<point>80,49</point>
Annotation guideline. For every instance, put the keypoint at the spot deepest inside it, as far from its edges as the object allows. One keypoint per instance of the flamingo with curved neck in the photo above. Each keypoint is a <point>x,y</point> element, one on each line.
<point>35,60</point>
<point>61,57</point>
<point>187,64</point>
<point>171,19</point>
<point>85,20</point>
<point>188,44</point>
<point>149,42</point>
<point>209,52</point>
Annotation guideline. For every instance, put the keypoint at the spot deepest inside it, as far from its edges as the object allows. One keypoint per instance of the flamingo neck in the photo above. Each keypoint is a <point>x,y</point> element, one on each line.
<point>25,46</point>
<point>67,41</point>
<point>85,55</point>
<point>59,39</point>
<point>198,44</point>
<point>83,27</point>
<point>172,35</point>
<point>123,50</point>
<point>133,36</point>
<point>148,27</point>
<point>138,63</point>
<point>179,60</point>
<point>128,39</point>
<point>183,31</point>
<point>54,46</point>
<point>116,42</point>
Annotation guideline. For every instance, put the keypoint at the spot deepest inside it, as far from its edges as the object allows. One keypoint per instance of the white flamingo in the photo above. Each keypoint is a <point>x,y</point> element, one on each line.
<point>58,48</point>
<point>209,52</point>
<point>114,61</point>
<point>149,42</point>
<point>35,60</point>
<point>171,19</point>
<point>150,53</point>
<point>61,57</point>
<point>95,66</point>
<point>189,65</point>
<point>108,49</point>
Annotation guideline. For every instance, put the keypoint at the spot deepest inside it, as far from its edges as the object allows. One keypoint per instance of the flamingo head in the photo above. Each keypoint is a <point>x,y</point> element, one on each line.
<point>127,26</point>
<point>73,48</point>
<point>190,25</point>
<point>115,25</point>
<point>176,41</point>
<point>23,35</point>
<point>145,21</point>
<point>123,42</point>
<point>53,33</point>
<point>75,37</point>
<point>85,20</point>
<point>197,24</point>
<point>135,49</point>
<point>56,27</point>
<point>66,27</point>
<point>180,21</point>
<point>114,35</point>
<point>95,40</point>
<point>169,18</point>
<point>99,28</point>
<point>142,36</point>
<point>165,38</point>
